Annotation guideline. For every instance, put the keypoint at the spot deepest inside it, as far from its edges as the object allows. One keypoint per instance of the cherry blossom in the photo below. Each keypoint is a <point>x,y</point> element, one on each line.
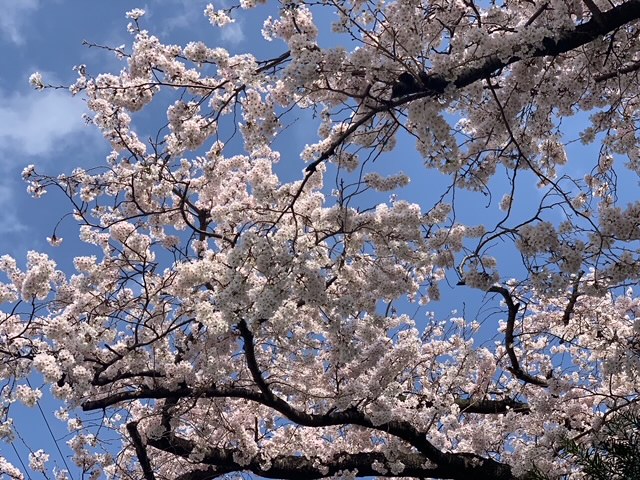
<point>229,321</point>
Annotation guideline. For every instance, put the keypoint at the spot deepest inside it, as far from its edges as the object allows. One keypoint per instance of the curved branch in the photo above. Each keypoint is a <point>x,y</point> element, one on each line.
<point>568,40</point>
<point>512,311</point>
<point>452,463</point>
<point>296,467</point>
<point>447,465</point>
<point>433,85</point>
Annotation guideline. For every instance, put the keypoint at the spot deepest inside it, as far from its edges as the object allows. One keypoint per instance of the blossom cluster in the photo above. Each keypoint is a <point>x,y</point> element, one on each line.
<point>225,315</point>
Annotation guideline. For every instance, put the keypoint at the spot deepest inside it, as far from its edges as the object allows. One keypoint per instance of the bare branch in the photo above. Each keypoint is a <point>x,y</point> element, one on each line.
<point>572,300</point>
<point>141,451</point>
<point>509,341</point>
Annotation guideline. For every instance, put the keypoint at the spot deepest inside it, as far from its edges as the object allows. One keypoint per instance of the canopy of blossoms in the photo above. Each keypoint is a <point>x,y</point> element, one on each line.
<point>228,321</point>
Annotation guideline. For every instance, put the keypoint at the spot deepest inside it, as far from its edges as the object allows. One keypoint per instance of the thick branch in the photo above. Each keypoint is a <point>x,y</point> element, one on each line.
<point>596,13</point>
<point>470,464</point>
<point>141,451</point>
<point>483,407</point>
<point>569,40</point>
<point>599,25</point>
<point>309,467</point>
<point>568,311</point>
<point>165,393</point>
<point>433,85</point>
<point>297,467</point>
<point>449,463</point>
<point>629,68</point>
<point>491,407</point>
<point>509,341</point>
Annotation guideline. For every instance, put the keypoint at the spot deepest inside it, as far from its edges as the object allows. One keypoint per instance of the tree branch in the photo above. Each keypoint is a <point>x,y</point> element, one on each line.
<point>629,68</point>
<point>309,467</point>
<point>433,85</point>
<point>141,451</point>
<point>449,465</point>
<point>596,13</point>
<point>165,393</point>
<point>491,407</point>
<point>599,25</point>
<point>512,311</point>
<point>572,300</point>
<point>565,42</point>
<point>472,464</point>
<point>296,467</point>
<point>454,463</point>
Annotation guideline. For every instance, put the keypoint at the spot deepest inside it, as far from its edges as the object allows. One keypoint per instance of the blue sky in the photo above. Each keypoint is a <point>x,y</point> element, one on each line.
<point>46,128</point>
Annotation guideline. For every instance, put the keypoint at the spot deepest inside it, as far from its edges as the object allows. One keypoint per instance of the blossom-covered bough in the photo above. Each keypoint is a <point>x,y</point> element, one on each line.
<point>232,322</point>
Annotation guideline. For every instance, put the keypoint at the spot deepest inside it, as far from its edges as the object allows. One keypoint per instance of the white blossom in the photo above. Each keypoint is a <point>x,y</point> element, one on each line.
<point>37,460</point>
<point>35,79</point>
<point>135,14</point>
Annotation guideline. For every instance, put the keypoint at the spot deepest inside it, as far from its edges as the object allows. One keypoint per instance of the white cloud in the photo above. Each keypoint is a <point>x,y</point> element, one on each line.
<point>10,221</point>
<point>232,33</point>
<point>184,14</point>
<point>39,123</point>
<point>187,13</point>
<point>14,17</point>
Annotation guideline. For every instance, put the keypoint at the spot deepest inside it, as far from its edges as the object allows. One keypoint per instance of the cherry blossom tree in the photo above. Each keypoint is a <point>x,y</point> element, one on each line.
<point>229,321</point>
<point>614,452</point>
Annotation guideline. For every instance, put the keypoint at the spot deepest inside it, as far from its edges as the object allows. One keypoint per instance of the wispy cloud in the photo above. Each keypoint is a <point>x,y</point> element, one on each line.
<point>187,13</point>
<point>10,222</point>
<point>36,127</point>
<point>15,17</point>
<point>39,123</point>
<point>232,33</point>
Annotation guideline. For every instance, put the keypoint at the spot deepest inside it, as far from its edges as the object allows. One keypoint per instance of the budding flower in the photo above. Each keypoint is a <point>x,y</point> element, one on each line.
<point>54,241</point>
<point>35,79</point>
<point>135,14</point>
<point>28,171</point>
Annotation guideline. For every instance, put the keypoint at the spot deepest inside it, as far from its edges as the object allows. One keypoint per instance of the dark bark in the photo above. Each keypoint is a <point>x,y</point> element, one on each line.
<point>509,339</point>
<point>550,46</point>
<point>467,405</point>
<point>141,451</point>
<point>491,407</point>
<point>442,464</point>
<point>433,85</point>
<point>311,467</point>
